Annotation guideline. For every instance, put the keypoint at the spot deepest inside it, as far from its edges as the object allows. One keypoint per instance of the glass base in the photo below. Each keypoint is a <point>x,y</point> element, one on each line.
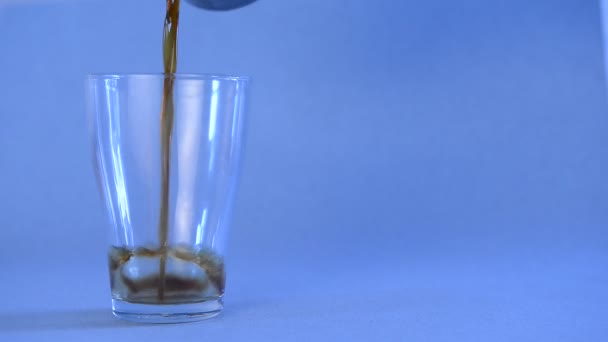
<point>167,313</point>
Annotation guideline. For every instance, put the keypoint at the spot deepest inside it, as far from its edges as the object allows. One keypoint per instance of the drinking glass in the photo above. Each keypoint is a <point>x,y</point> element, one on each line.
<point>177,275</point>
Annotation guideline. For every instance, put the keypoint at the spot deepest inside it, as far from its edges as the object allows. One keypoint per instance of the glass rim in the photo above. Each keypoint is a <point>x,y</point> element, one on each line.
<point>187,76</point>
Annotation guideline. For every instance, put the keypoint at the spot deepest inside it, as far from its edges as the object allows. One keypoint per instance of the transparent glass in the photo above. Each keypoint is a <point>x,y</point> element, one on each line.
<point>182,279</point>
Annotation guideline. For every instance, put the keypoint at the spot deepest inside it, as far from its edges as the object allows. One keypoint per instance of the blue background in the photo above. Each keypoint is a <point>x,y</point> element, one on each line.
<point>414,170</point>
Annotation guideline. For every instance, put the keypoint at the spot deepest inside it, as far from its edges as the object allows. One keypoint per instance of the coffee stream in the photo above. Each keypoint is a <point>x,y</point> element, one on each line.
<point>169,274</point>
<point>166,132</point>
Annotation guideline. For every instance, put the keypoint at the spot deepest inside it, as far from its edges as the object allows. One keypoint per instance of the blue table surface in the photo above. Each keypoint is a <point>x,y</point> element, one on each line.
<point>540,297</point>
